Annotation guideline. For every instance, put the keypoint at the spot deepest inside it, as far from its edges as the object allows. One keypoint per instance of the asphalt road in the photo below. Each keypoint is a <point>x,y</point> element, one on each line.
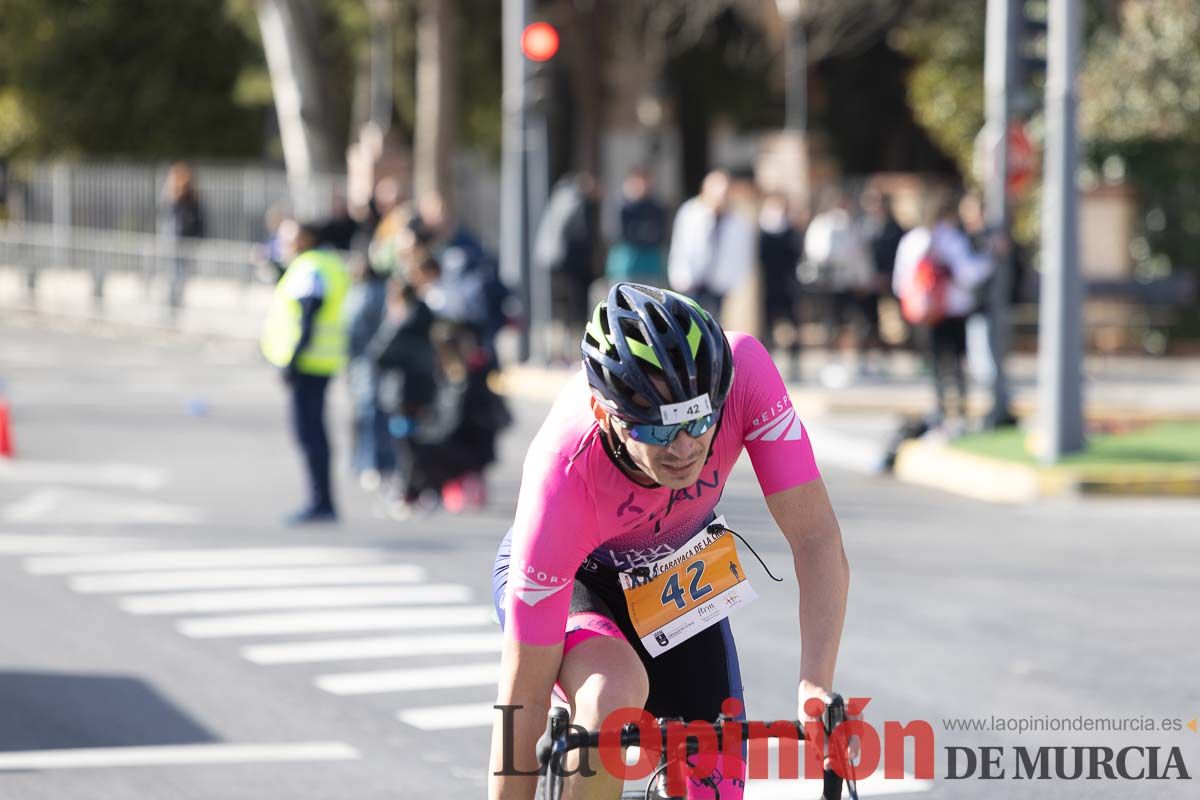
<point>164,636</point>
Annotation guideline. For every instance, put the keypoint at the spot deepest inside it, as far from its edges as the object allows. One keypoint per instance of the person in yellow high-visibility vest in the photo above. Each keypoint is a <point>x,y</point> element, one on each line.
<point>305,337</point>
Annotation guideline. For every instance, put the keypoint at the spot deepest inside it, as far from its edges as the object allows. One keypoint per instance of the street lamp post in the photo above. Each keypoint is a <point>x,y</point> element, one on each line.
<point>1060,328</point>
<point>514,213</point>
<point>1000,67</point>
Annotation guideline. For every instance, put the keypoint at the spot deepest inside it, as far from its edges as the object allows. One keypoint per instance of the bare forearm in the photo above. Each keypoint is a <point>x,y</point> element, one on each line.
<point>512,774</point>
<point>823,575</point>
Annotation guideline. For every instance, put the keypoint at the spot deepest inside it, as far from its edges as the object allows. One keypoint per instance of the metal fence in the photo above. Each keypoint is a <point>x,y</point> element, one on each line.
<point>126,196</point>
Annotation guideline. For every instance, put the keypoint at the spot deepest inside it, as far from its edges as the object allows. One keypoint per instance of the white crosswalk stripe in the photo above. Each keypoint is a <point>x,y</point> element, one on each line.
<point>12,544</point>
<point>208,558</point>
<point>334,621</point>
<point>93,757</point>
<point>374,647</point>
<point>246,578</point>
<point>408,680</point>
<point>446,718</point>
<point>265,599</point>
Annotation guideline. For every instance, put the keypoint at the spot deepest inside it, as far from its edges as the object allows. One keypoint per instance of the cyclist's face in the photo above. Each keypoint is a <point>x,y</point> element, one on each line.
<point>676,465</point>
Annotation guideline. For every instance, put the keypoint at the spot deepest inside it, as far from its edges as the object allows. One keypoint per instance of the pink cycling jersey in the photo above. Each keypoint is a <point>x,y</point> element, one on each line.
<point>575,502</point>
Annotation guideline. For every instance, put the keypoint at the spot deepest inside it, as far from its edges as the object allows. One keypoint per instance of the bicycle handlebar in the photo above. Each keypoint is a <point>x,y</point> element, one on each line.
<point>557,741</point>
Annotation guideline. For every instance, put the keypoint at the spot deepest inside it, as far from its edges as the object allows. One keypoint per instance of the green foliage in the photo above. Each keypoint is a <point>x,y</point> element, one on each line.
<point>1142,81</point>
<point>121,77</point>
<point>946,40</point>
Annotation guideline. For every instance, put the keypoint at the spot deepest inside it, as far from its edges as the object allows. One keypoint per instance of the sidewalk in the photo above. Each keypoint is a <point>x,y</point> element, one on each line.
<point>851,425</point>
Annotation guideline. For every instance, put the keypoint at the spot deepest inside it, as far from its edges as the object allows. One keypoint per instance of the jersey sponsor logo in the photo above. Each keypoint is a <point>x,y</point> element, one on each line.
<point>778,423</point>
<point>533,586</point>
<point>639,557</point>
<point>629,506</point>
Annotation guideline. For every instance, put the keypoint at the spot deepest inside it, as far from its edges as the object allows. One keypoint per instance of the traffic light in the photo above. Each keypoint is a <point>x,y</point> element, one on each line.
<point>539,42</point>
<point>1031,49</point>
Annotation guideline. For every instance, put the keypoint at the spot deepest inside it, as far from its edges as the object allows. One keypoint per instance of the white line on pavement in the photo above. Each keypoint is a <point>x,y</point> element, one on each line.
<point>445,718</point>
<point>773,787</point>
<point>245,578</point>
<point>407,680</point>
<point>209,558</point>
<point>364,619</point>
<point>84,474</point>
<point>267,599</point>
<point>21,545</point>
<point>375,647</point>
<point>86,757</point>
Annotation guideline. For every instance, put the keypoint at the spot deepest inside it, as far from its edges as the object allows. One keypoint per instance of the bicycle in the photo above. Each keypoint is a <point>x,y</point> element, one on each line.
<point>558,740</point>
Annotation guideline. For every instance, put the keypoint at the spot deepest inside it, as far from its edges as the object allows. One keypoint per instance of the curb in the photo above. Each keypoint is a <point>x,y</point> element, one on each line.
<point>939,466</point>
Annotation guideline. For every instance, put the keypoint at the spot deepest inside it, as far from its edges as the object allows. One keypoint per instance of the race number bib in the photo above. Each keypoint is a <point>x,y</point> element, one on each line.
<point>697,586</point>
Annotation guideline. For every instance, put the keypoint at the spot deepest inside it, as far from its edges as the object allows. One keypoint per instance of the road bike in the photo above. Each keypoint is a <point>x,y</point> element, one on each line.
<point>559,740</point>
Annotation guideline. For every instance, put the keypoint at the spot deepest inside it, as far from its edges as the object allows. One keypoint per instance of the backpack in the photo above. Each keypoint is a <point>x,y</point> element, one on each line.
<point>923,298</point>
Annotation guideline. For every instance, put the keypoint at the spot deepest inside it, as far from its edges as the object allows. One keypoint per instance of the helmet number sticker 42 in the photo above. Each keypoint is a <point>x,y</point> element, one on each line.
<point>694,588</point>
<point>686,411</point>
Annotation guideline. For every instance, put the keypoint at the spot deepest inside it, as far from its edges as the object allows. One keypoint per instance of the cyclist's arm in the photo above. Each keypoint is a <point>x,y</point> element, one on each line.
<point>806,518</point>
<point>550,540</point>
<point>527,675</point>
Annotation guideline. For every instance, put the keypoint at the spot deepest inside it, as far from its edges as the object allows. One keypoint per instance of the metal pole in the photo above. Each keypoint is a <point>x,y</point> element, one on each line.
<point>537,170</point>
<point>796,111</point>
<point>1000,68</point>
<point>1060,329</point>
<point>514,215</point>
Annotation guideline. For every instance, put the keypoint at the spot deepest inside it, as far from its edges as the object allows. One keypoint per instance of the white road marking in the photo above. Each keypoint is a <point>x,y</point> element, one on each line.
<point>775,788</point>
<point>170,755</point>
<point>74,507</point>
<point>22,545</point>
<point>245,578</point>
<point>409,680</point>
<point>364,619</point>
<point>268,599</point>
<point>132,476</point>
<point>445,718</point>
<point>209,558</point>
<point>375,647</point>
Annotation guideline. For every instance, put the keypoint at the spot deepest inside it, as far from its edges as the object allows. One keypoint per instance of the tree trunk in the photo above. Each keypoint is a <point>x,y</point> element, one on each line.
<point>437,107</point>
<point>290,33</point>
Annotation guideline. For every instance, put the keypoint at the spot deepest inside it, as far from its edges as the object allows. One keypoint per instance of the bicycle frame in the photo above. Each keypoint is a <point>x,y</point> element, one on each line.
<point>558,740</point>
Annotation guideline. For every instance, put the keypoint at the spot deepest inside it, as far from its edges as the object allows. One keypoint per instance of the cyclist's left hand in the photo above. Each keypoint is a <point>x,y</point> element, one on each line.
<point>809,689</point>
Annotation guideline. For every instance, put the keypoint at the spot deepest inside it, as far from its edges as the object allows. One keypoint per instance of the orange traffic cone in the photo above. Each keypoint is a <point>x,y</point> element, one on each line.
<point>6,443</point>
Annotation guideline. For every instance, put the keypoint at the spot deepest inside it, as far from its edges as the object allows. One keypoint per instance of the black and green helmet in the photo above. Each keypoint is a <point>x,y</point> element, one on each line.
<point>640,332</point>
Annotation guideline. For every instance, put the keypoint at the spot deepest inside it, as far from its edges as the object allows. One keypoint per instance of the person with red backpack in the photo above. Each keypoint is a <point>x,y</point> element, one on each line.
<point>936,277</point>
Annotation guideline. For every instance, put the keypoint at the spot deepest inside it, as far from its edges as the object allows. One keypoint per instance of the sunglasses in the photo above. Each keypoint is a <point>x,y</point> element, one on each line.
<point>663,435</point>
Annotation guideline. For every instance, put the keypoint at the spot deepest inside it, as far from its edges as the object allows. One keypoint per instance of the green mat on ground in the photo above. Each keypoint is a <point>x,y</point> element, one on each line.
<point>1161,443</point>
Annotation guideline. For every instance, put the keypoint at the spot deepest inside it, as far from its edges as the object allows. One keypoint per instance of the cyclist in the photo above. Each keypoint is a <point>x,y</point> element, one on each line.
<point>626,470</point>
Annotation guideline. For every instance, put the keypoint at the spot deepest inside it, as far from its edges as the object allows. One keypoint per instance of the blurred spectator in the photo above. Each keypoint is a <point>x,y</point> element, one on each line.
<point>180,217</point>
<point>470,290</point>
<point>883,234</point>
<point>305,337</point>
<point>779,247</point>
<point>373,456</point>
<point>565,248</point>
<point>394,217</point>
<point>836,251</point>
<point>637,254</point>
<point>712,249</point>
<point>340,229</point>
<point>403,352</point>
<point>940,247</point>
<point>268,255</point>
<point>458,439</point>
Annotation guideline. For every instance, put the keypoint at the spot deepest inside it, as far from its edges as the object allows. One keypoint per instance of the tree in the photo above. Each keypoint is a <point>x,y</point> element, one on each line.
<point>308,127</point>
<point>437,93</point>
<point>120,77</point>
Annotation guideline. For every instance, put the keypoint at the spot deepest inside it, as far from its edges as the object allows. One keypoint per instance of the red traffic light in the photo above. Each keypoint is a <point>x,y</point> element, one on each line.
<point>539,41</point>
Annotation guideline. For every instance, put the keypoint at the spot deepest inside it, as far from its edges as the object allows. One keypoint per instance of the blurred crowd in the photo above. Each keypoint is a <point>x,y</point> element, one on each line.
<point>425,304</point>
<point>845,279</point>
<point>420,318</point>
